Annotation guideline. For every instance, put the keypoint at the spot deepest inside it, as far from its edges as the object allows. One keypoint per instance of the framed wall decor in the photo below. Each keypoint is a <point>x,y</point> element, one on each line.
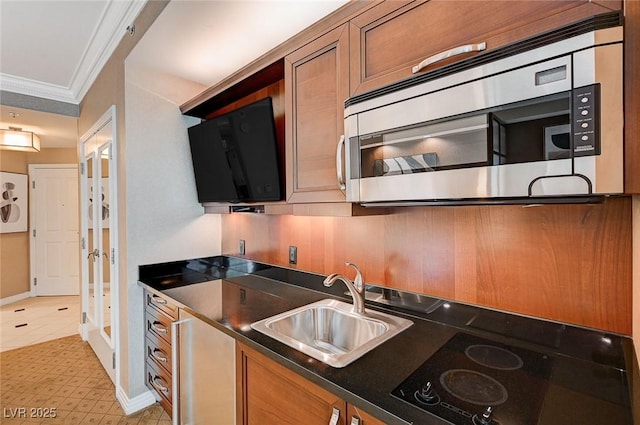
<point>13,202</point>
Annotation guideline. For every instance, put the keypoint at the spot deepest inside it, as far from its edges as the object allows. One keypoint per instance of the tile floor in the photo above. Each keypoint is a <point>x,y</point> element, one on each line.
<point>38,319</point>
<point>60,377</point>
<point>64,379</point>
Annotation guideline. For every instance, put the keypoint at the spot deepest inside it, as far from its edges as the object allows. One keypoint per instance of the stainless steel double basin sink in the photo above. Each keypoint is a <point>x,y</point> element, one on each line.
<point>329,331</point>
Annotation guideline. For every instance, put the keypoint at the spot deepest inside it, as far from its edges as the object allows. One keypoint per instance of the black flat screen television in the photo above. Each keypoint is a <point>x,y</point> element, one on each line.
<point>235,156</point>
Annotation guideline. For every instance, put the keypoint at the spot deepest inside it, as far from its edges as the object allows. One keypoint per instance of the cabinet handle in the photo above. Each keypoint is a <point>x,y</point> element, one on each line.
<point>158,300</point>
<point>355,420</point>
<point>447,54</point>
<point>159,327</point>
<point>158,356</point>
<point>339,150</point>
<point>160,385</point>
<point>335,416</point>
<point>175,370</point>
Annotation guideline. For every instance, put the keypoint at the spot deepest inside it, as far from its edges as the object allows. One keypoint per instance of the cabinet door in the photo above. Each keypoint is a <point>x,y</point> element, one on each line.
<point>317,84</point>
<point>363,417</point>
<point>273,395</point>
<point>389,39</point>
<point>206,373</point>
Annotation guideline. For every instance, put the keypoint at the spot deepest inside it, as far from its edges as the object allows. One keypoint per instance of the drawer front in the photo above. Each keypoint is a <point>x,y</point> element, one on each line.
<point>158,351</point>
<point>159,381</point>
<point>158,324</point>
<point>162,304</point>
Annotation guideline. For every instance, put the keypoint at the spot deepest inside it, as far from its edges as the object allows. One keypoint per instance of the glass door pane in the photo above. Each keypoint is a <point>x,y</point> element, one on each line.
<point>104,212</point>
<point>91,240</point>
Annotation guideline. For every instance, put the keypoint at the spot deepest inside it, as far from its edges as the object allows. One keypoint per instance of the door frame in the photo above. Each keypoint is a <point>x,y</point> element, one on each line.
<point>108,118</point>
<point>32,219</point>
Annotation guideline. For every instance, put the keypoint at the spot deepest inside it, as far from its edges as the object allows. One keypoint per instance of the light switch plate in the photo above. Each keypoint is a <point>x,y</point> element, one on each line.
<point>293,254</point>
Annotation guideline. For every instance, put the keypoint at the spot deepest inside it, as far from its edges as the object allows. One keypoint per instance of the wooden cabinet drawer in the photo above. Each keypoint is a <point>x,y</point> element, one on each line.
<point>159,381</point>
<point>158,324</point>
<point>162,304</point>
<point>158,351</point>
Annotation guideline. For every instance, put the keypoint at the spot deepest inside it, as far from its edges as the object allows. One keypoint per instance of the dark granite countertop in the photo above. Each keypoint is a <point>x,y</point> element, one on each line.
<point>590,377</point>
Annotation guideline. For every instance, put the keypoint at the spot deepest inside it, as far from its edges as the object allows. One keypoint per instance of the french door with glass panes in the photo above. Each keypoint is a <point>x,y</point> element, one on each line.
<point>99,233</point>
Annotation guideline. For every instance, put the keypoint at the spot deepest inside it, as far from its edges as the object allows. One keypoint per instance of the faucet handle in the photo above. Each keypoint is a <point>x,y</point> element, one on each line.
<point>358,282</point>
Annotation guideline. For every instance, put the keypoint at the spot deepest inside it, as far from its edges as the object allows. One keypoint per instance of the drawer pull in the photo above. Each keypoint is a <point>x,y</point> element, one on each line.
<point>335,416</point>
<point>162,357</point>
<point>158,300</point>
<point>160,385</point>
<point>159,327</point>
<point>447,54</point>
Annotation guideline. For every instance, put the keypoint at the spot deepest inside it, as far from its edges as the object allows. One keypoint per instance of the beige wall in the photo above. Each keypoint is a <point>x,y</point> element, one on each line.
<point>108,90</point>
<point>14,247</point>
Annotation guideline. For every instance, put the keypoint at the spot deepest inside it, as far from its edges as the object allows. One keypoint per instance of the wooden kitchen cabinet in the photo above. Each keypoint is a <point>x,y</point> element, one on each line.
<point>271,394</point>
<point>316,86</point>
<point>363,417</point>
<point>388,40</point>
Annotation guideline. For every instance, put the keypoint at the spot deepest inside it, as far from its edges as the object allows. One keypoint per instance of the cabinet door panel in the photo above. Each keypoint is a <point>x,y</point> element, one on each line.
<point>317,84</point>
<point>387,43</point>
<point>273,395</point>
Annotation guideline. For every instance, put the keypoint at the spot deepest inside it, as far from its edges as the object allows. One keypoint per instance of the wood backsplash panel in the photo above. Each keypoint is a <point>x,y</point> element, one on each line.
<point>419,251</point>
<point>570,263</point>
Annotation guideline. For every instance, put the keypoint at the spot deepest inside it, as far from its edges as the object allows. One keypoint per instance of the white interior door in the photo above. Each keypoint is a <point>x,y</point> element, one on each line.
<point>99,241</point>
<point>54,230</point>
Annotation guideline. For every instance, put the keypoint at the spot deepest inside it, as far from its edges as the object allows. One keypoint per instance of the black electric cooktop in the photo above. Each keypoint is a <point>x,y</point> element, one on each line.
<point>476,381</point>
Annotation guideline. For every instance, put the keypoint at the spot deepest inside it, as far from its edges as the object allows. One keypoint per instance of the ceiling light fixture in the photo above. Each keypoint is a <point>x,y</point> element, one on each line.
<point>15,139</point>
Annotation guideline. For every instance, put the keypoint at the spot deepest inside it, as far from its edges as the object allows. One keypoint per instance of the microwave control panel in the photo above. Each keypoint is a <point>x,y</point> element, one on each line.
<point>586,120</point>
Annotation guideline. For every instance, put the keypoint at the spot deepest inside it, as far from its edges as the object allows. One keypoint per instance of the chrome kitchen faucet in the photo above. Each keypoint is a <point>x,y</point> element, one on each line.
<point>356,287</point>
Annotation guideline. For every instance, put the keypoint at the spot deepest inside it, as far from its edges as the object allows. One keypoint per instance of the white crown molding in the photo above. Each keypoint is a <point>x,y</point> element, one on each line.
<point>28,87</point>
<point>105,40</point>
<point>113,23</point>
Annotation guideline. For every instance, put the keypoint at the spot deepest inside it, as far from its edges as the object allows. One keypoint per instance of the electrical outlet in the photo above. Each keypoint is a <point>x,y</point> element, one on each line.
<point>293,254</point>
<point>241,249</point>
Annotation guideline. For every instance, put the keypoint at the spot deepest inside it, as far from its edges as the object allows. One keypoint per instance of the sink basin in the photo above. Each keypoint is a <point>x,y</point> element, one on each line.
<point>329,331</point>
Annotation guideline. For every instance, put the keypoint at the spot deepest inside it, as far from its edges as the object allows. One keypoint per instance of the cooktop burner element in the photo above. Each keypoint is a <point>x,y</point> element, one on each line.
<point>493,357</point>
<point>474,387</point>
<point>474,381</point>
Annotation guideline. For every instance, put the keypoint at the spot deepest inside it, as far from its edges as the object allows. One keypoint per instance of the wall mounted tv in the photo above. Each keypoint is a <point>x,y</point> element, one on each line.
<point>235,156</point>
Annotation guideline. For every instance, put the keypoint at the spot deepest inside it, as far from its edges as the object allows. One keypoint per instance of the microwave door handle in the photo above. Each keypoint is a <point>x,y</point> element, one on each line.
<point>447,54</point>
<point>339,151</point>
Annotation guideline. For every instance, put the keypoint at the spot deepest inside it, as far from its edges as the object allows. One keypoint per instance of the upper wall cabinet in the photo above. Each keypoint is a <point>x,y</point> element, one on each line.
<point>388,40</point>
<point>316,86</point>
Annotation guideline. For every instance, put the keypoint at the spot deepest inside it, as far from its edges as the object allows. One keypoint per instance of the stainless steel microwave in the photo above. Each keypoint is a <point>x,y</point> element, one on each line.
<point>538,119</point>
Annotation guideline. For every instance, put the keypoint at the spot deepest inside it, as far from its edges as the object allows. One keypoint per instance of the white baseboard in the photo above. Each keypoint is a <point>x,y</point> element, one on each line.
<point>132,405</point>
<point>14,298</point>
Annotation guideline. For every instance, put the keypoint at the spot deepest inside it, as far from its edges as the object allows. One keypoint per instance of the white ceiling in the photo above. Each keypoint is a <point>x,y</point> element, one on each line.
<point>54,49</point>
<point>205,41</point>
